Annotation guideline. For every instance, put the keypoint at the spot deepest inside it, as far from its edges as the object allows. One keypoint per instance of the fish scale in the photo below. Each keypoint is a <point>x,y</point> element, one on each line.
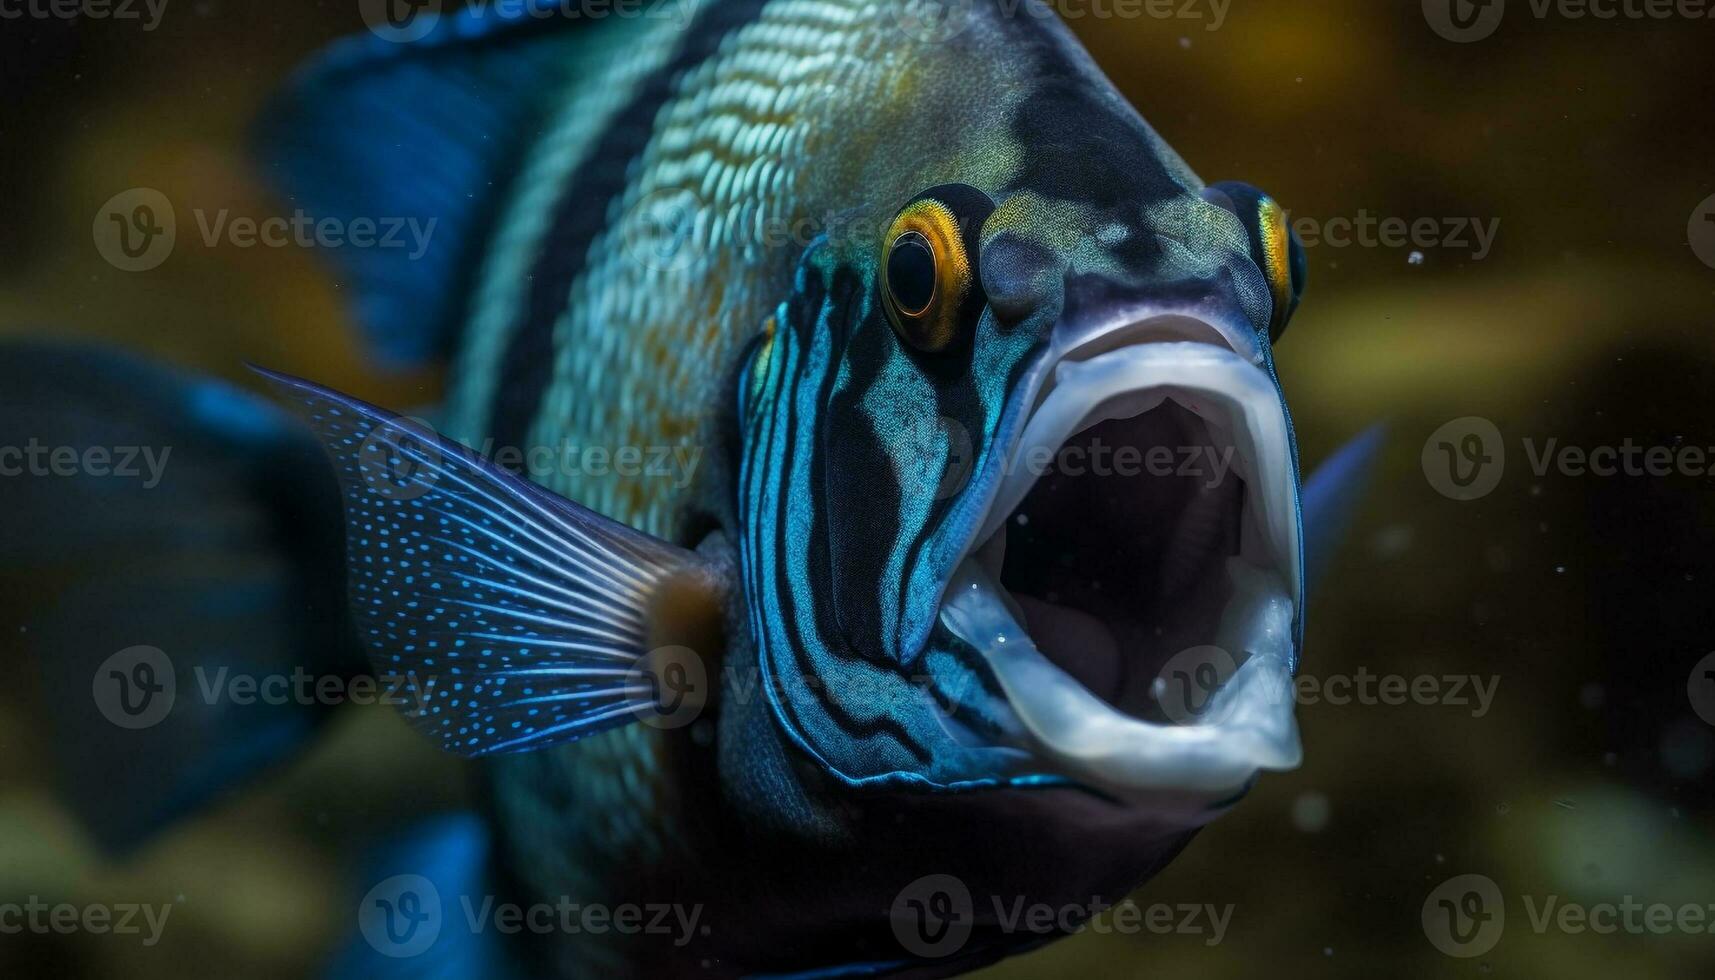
<point>654,233</point>
<point>739,142</point>
<point>646,202</point>
<point>631,369</point>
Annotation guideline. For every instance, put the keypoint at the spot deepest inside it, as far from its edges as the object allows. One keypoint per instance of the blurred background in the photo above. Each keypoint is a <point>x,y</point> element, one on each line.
<point>1585,146</point>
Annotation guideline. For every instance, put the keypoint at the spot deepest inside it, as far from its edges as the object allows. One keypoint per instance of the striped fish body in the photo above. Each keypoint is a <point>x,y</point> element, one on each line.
<point>654,228</point>
<point>767,558</point>
<point>688,312</point>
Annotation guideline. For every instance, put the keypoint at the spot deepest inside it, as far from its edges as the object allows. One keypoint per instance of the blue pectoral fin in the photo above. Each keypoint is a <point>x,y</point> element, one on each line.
<point>1331,496</point>
<point>171,544</point>
<point>418,893</point>
<point>512,618</point>
<point>413,145</point>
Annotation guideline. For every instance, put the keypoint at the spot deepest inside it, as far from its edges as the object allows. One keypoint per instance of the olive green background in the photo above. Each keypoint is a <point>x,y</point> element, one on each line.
<point>1587,599</point>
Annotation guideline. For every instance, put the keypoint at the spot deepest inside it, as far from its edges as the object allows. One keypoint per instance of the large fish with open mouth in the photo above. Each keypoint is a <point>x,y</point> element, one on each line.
<point>992,469</point>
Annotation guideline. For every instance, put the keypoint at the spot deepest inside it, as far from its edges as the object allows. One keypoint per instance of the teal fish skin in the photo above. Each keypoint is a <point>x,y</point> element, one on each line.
<point>689,258</point>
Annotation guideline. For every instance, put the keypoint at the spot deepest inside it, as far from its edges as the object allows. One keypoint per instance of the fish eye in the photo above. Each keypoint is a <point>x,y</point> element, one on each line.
<point>930,287</point>
<point>911,273</point>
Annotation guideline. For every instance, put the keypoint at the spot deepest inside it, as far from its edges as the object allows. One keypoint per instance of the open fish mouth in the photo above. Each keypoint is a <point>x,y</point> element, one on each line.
<point>1135,582</point>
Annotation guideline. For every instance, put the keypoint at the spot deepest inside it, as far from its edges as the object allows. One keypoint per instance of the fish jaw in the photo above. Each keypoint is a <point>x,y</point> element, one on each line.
<point>1098,600</point>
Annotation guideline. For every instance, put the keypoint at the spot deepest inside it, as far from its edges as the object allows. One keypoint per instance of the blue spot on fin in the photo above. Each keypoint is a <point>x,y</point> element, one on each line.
<point>430,130</point>
<point>1331,496</point>
<point>510,618</point>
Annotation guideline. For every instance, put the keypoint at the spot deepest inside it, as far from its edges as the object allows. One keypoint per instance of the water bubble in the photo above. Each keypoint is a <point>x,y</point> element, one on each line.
<point>1310,812</point>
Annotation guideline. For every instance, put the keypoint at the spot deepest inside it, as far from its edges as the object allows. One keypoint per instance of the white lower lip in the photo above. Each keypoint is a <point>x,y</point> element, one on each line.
<point>1249,724</point>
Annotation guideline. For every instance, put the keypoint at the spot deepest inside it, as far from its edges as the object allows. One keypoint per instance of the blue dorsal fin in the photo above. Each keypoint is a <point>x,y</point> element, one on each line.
<point>429,130</point>
<point>510,618</point>
<point>1331,496</point>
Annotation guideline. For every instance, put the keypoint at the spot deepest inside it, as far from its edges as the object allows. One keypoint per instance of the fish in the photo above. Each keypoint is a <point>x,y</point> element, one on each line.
<point>864,499</point>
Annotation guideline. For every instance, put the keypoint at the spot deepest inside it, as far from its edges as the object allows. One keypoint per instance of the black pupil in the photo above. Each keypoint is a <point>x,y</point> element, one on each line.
<point>911,272</point>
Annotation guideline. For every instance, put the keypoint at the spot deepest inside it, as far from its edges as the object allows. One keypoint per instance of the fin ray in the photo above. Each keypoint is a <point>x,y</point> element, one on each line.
<point>518,618</point>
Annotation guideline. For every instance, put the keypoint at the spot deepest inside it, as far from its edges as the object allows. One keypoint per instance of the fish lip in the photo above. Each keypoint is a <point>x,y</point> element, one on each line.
<point>1150,348</point>
<point>1132,325</point>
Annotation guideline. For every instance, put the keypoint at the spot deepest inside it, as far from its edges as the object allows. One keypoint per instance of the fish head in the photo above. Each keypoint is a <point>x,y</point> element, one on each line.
<point>1019,494</point>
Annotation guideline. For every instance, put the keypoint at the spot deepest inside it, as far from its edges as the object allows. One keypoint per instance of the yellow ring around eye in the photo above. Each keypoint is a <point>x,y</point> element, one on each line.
<point>1276,251</point>
<point>936,325</point>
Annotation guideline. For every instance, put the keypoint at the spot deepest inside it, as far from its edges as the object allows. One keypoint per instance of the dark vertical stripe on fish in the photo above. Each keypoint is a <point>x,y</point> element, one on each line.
<point>581,215</point>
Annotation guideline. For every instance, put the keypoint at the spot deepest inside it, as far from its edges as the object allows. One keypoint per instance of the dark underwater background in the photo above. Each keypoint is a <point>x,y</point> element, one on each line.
<point>1590,321</point>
